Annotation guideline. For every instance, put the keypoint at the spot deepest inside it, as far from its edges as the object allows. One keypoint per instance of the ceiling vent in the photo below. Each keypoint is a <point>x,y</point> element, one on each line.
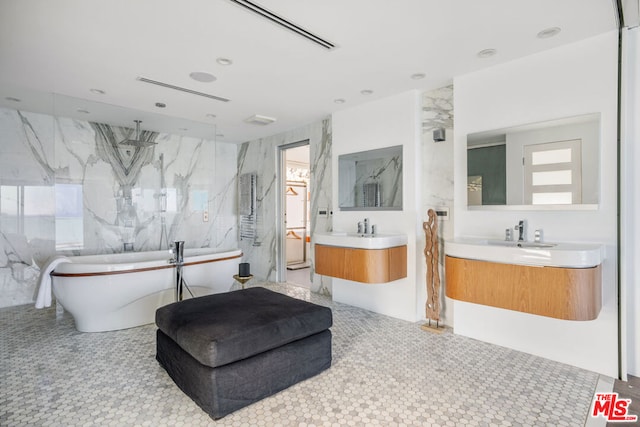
<point>257,119</point>
<point>182,89</point>
<point>259,10</point>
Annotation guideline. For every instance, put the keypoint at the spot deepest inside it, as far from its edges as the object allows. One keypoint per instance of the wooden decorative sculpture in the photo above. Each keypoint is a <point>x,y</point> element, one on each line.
<point>433,273</point>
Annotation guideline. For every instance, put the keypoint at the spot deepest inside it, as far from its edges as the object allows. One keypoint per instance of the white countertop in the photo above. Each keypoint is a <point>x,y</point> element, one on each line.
<point>360,241</point>
<point>549,254</point>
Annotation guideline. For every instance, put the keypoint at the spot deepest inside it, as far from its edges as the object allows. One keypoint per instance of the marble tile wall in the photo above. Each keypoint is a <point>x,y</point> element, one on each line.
<point>259,156</point>
<point>437,171</point>
<point>437,112</point>
<point>68,187</point>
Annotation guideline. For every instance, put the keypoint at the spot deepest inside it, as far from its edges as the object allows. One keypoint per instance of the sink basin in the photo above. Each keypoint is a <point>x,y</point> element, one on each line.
<point>360,241</point>
<point>521,244</point>
<point>571,255</point>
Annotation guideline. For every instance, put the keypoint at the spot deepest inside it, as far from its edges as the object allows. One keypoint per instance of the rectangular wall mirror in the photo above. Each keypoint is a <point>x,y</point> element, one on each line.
<point>546,165</point>
<point>371,180</point>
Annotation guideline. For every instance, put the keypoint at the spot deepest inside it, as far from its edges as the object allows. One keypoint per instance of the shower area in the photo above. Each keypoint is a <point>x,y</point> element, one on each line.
<point>148,209</point>
<point>77,187</point>
<point>166,188</point>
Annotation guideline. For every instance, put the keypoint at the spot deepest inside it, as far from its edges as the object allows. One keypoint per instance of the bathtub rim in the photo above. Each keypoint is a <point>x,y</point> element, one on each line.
<point>105,269</point>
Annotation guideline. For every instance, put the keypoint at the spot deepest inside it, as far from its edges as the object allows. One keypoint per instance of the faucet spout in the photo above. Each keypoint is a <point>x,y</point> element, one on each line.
<point>521,227</point>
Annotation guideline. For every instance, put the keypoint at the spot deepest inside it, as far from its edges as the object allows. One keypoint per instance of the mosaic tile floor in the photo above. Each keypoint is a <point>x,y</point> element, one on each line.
<point>301,277</point>
<point>385,372</point>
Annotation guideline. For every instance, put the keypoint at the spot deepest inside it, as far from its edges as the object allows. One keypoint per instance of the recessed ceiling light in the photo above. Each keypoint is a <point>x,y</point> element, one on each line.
<point>339,101</point>
<point>224,61</point>
<point>487,53</point>
<point>211,116</point>
<point>366,91</point>
<point>549,32</point>
<point>82,110</point>
<point>97,91</point>
<point>418,76</point>
<point>160,104</point>
<point>201,76</point>
<point>13,99</point>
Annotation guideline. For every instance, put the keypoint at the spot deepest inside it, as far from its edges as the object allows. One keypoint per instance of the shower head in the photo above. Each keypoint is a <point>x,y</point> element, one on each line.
<point>138,142</point>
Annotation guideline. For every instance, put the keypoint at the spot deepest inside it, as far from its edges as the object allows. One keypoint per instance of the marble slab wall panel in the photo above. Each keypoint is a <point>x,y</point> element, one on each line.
<point>321,196</point>
<point>95,195</point>
<point>437,172</point>
<point>224,216</point>
<point>259,156</point>
<point>437,157</point>
<point>27,201</point>
<point>437,109</point>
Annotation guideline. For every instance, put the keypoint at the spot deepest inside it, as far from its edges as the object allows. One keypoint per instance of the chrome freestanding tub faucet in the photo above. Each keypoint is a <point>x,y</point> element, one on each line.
<point>178,261</point>
<point>522,230</point>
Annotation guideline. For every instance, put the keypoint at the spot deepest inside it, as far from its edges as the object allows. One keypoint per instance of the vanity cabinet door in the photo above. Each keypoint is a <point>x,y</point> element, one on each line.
<point>329,260</point>
<point>362,265</point>
<point>561,293</point>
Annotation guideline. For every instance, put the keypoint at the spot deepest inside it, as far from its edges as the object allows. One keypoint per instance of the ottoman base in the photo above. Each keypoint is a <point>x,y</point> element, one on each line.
<point>224,389</point>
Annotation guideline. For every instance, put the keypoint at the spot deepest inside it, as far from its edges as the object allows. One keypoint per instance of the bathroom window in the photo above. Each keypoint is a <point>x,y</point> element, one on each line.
<point>553,173</point>
<point>26,210</point>
<point>69,216</point>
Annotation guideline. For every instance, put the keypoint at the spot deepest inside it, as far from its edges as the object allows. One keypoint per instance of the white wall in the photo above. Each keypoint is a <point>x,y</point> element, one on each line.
<point>383,123</point>
<point>630,203</point>
<point>580,78</point>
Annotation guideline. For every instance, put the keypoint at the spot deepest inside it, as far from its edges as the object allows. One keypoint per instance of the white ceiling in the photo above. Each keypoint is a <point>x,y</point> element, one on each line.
<point>67,47</point>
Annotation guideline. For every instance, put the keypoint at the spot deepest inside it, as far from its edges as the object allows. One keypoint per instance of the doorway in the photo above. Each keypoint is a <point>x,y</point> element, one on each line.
<point>294,173</point>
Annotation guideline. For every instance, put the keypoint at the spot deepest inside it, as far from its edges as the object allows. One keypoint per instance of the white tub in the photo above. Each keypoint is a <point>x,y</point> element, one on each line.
<point>117,291</point>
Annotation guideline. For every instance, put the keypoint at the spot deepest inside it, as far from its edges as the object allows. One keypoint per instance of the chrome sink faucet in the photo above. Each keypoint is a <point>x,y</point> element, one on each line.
<point>366,228</point>
<point>522,230</point>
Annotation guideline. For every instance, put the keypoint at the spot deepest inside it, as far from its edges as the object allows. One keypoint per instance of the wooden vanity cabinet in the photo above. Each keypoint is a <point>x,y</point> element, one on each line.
<point>361,265</point>
<point>558,292</point>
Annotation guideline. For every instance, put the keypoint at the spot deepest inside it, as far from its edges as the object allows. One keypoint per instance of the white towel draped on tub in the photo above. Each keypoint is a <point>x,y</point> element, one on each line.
<point>44,281</point>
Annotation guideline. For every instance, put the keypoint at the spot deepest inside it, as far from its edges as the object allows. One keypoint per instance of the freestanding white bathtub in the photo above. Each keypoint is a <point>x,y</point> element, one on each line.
<point>117,291</point>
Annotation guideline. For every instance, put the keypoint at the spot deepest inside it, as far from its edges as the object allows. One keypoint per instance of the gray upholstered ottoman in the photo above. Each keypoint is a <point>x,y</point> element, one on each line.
<point>226,351</point>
